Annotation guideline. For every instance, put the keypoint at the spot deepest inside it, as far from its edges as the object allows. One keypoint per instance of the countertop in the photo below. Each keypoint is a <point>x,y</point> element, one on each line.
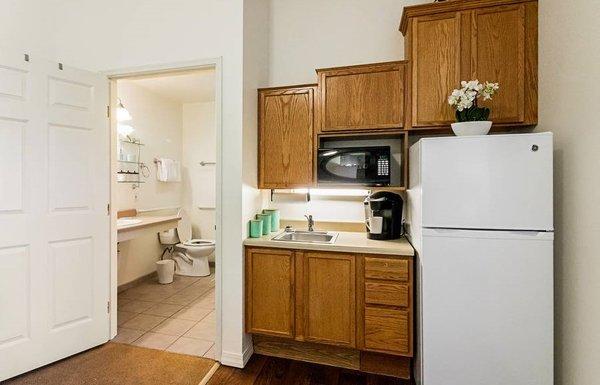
<point>148,221</point>
<point>349,242</point>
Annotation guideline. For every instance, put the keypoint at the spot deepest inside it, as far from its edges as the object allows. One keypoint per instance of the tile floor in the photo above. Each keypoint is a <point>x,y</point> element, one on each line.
<point>178,317</point>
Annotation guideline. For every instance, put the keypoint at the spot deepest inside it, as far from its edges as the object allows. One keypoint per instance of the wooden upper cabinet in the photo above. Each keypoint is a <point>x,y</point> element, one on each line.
<point>285,137</point>
<point>498,55</point>
<point>362,97</point>
<point>329,289</point>
<point>270,292</point>
<point>488,40</point>
<point>435,54</point>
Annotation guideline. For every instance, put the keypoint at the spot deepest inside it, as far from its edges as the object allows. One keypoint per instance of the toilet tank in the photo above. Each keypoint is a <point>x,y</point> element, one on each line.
<point>168,237</point>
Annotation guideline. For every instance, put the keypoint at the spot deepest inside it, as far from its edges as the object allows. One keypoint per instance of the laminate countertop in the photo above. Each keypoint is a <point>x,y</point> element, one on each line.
<point>348,242</point>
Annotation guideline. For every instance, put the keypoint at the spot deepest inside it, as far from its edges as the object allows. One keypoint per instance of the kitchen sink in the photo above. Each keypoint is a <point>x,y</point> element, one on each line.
<point>307,236</point>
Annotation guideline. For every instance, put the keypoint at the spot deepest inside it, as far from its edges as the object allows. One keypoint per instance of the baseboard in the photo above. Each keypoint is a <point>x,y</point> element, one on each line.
<point>136,282</point>
<point>237,360</point>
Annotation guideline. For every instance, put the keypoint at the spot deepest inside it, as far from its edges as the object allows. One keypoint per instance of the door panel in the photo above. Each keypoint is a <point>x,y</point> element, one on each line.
<point>270,292</point>
<point>436,67</point>
<point>11,164</point>
<point>362,97</point>
<point>286,137</point>
<point>330,298</point>
<point>488,182</point>
<point>54,189</point>
<point>15,266</point>
<point>499,38</point>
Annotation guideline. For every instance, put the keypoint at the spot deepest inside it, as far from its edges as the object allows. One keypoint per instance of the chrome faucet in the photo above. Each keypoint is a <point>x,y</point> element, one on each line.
<point>311,223</point>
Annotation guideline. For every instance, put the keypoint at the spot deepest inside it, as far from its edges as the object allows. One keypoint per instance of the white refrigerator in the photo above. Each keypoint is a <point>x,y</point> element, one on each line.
<point>480,217</point>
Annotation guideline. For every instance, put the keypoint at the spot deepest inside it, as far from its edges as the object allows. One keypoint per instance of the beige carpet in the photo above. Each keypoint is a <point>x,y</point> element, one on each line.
<point>120,364</point>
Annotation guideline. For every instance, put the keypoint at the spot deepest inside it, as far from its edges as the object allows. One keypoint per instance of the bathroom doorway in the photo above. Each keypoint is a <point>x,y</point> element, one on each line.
<point>166,125</point>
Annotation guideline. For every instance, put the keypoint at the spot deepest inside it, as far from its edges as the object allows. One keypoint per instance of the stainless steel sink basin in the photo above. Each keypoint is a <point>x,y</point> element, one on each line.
<point>307,236</point>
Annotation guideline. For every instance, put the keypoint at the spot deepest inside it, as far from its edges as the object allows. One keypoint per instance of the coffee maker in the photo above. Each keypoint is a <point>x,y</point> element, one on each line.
<point>383,215</point>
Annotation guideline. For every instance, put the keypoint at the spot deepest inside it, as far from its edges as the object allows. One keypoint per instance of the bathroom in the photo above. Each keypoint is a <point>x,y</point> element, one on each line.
<point>165,173</point>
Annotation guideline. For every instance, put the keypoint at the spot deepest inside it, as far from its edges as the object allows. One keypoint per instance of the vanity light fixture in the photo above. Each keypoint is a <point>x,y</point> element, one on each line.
<point>122,114</point>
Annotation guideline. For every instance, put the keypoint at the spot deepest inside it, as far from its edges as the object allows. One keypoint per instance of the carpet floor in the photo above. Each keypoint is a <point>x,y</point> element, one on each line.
<point>119,364</point>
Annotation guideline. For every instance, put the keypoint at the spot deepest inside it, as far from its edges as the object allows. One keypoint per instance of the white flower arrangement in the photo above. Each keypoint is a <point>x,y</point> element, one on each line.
<point>464,100</point>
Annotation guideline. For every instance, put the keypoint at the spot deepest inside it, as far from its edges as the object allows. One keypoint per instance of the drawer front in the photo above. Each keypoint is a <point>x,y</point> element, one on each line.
<point>387,293</point>
<point>387,330</point>
<point>387,268</point>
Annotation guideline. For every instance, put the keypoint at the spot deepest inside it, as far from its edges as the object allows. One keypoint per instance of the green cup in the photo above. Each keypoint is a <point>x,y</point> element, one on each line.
<point>266,218</point>
<point>274,218</point>
<point>256,228</point>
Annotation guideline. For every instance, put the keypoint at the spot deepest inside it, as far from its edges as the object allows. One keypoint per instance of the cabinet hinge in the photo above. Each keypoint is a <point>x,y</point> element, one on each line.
<point>108,111</point>
<point>108,307</point>
<point>108,209</point>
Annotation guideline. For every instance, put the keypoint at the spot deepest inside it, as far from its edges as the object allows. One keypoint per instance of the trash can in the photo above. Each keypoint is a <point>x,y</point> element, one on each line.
<point>165,270</point>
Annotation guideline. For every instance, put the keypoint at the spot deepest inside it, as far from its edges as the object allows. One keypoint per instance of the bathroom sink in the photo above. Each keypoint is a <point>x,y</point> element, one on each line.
<point>306,236</point>
<point>128,221</point>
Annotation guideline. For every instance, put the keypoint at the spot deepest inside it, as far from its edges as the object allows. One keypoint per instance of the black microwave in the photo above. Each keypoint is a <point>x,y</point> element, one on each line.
<point>365,166</point>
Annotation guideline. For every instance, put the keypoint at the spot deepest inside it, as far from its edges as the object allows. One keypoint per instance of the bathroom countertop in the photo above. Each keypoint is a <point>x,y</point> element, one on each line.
<point>350,242</point>
<point>155,224</point>
<point>148,221</point>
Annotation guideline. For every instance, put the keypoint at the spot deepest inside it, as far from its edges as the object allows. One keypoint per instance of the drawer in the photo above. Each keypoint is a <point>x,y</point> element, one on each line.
<point>387,293</point>
<point>387,268</point>
<point>387,330</point>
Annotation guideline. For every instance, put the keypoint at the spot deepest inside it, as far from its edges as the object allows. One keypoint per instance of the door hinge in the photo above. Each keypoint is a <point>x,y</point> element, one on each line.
<point>108,111</point>
<point>108,307</point>
<point>108,209</point>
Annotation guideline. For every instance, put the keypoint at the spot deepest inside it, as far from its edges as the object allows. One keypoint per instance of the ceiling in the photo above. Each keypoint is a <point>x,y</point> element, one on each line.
<point>185,87</point>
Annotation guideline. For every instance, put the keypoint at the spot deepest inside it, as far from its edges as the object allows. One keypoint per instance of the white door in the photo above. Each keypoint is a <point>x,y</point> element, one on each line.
<point>54,227</point>
<point>486,300</point>
<point>487,182</point>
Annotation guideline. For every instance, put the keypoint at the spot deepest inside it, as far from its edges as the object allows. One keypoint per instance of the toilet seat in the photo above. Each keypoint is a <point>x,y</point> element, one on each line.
<point>199,242</point>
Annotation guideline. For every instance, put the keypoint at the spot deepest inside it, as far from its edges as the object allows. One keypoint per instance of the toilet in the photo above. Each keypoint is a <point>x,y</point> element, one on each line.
<point>190,255</point>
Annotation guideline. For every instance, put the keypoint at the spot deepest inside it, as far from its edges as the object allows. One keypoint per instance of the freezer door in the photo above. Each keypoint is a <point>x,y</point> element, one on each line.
<point>487,182</point>
<point>487,308</point>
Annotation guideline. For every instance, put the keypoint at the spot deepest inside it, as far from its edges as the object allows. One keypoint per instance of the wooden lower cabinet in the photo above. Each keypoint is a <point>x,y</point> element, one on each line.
<point>270,292</point>
<point>340,309</point>
<point>330,298</point>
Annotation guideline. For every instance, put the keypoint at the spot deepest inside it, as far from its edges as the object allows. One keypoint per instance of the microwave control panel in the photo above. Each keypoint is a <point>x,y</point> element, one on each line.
<point>383,166</point>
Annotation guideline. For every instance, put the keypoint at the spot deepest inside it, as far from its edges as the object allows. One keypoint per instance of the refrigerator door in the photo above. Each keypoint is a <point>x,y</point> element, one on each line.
<point>487,308</point>
<point>487,182</point>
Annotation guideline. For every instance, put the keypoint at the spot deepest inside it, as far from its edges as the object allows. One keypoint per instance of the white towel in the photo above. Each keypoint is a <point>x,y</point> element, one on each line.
<point>169,170</point>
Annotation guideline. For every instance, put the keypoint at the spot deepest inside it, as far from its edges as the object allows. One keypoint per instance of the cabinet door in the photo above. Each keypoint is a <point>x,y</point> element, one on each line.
<point>435,70</point>
<point>362,97</point>
<point>270,292</point>
<point>498,55</point>
<point>330,298</point>
<point>286,137</point>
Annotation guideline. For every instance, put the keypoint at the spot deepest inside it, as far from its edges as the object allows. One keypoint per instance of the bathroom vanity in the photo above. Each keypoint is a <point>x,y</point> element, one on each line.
<point>347,304</point>
<point>132,227</point>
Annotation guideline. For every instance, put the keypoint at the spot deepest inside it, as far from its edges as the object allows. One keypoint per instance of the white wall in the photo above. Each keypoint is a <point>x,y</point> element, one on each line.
<point>115,34</point>
<point>569,74</point>
<point>158,125</point>
<point>255,75</point>
<point>199,144</point>
<point>311,34</point>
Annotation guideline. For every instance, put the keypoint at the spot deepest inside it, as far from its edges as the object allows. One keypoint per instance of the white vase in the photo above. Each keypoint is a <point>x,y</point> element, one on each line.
<point>471,128</point>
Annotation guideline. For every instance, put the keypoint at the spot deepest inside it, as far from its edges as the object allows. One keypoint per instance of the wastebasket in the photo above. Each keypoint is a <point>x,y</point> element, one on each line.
<point>165,270</point>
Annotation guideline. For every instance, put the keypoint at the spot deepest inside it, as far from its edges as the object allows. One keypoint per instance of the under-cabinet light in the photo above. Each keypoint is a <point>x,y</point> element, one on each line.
<point>332,192</point>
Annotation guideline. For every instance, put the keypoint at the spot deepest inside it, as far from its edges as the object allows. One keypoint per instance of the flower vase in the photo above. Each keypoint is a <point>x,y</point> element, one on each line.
<point>471,128</point>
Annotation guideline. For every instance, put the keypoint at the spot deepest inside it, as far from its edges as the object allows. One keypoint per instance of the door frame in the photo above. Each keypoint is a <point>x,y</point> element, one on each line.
<point>162,69</point>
